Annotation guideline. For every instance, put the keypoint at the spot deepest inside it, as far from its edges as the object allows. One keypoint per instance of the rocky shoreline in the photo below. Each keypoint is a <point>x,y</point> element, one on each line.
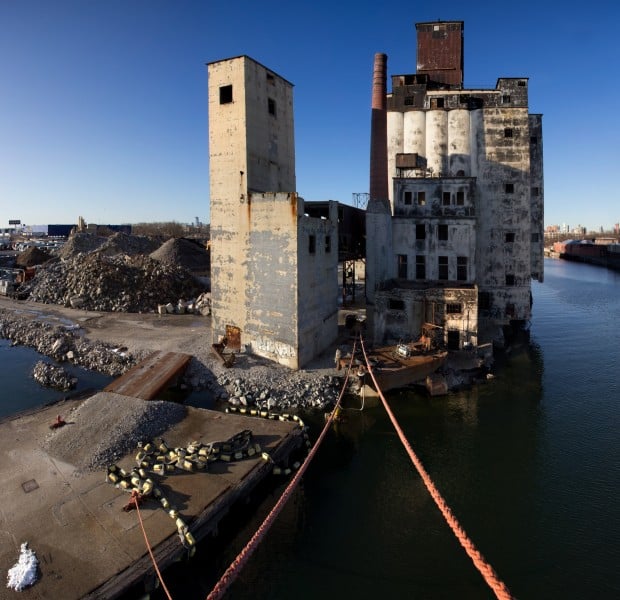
<point>253,382</point>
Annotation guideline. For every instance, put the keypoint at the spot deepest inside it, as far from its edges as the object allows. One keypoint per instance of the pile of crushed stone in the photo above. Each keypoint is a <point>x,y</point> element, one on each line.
<point>31,257</point>
<point>108,426</point>
<point>184,252</point>
<point>122,243</point>
<point>80,243</point>
<point>120,283</point>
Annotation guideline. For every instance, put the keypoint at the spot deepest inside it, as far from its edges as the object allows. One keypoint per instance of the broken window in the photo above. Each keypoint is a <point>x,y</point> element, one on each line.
<point>226,95</point>
<point>535,191</point>
<point>328,244</point>
<point>521,83</point>
<point>311,244</point>
<point>420,231</point>
<point>442,233</point>
<point>506,99</point>
<point>271,79</point>
<point>394,304</point>
<point>510,279</point>
<point>508,132</point>
<point>454,309</point>
<point>420,266</point>
<point>510,188</point>
<point>510,237</point>
<point>533,140</point>
<point>436,102</point>
<point>442,267</point>
<point>402,266</point>
<point>446,198</point>
<point>271,106</point>
<point>460,198</point>
<point>461,268</point>
<point>408,100</point>
<point>421,198</point>
<point>408,197</point>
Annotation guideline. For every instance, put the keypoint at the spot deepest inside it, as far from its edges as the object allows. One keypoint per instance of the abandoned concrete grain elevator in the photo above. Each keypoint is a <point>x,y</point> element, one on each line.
<point>455,214</point>
<point>273,268</point>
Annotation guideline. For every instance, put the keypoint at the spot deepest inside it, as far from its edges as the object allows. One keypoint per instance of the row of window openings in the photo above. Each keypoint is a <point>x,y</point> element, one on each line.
<point>312,244</point>
<point>226,97</point>
<point>452,308</point>
<point>442,267</point>
<point>440,102</point>
<point>446,198</point>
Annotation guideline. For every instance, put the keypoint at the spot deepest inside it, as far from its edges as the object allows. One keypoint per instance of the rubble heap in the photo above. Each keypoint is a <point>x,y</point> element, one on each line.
<point>119,283</point>
<point>31,257</point>
<point>49,375</point>
<point>186,253</point>
<point>79,243</point>
<point>122,243</point>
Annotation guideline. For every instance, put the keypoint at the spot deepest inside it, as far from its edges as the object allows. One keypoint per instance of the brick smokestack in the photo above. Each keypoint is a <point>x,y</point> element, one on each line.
<point>378,132</point>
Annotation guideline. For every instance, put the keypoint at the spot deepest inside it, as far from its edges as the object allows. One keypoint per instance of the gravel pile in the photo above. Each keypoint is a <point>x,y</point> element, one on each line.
<point>117,422</point>
<point>31,257</point>
<point>120,283</point>
<point>122,243</point>
<point>49,375</point>
<point>81,243</point>
<point>64,344</point>
<point>186,253</point>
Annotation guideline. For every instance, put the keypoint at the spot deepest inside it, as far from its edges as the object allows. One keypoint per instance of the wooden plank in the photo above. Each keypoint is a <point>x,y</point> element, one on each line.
<point>150,377</point>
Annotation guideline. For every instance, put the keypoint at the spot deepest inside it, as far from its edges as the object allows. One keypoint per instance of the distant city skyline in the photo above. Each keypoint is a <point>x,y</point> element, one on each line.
<point>104,108</point>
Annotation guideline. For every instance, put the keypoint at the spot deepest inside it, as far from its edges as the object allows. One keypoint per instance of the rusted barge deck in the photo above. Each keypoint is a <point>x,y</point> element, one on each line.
<point>153,375</point>
<point>87,546</point>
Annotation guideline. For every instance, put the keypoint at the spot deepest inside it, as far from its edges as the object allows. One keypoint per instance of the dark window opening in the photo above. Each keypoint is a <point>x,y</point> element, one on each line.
<point>271,106</point>
<point>312,244</point>
<point>396,304</point>
<point>535,191</point>
<point>408,197</point>
<point>460,173</point>
<point>442,266</point>
<point>461,268</point>
<point>510,310</point>
<point>409,79</point>
<point>454,309</point>
<point>420,266</point>
<point>436,102</point>
<point>270,78</point>
<point>408,100</point>
<point>442,233</point>
<point>533,141</point>
<point>535,237</point>
<point>460,198</point>
<point>402,266</point>
<point>506,99</point>
<point>508,132</point>
<point>420,231</point>
<point>454,339</point>
<point>521,83</point>
<point>510,237</point>
<point>226,95</point>
<point>510,188</point>
<point>421,198</point>
<point>484,300</point>
<point>446,198</point>
<point>328,244</point>
<point>510,279</point>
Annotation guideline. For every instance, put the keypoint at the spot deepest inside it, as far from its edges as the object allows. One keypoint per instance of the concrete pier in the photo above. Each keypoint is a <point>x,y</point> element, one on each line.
<point>87,546</point>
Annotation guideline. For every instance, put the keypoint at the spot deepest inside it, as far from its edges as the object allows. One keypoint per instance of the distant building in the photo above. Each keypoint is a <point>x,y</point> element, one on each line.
<point>274,280</point>
<point>455,217</point>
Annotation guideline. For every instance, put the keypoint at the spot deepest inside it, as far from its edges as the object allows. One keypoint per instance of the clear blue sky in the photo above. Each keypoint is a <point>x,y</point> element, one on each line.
<point>103,103</point>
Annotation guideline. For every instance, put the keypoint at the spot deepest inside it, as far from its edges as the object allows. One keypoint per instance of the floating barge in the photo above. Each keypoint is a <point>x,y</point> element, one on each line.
<point>73,519</point>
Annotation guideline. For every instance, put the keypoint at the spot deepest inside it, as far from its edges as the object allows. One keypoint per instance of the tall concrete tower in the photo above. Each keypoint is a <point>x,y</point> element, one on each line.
<point>273,269</point>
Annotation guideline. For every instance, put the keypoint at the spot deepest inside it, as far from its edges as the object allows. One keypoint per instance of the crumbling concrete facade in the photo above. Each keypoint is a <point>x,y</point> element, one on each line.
<point>465,196</point>
<point>273,269</point>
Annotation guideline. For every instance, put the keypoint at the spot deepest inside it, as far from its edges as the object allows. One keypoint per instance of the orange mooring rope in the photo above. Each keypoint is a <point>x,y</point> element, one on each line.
<point>235,566</point>
<point>494,582</point>
<point>134,499</point>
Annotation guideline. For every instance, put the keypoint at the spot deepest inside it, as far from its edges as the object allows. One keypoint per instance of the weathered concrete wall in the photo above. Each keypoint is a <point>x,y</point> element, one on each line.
<point>317,284</point>
<point>401,311</point>
<point>537,200</point>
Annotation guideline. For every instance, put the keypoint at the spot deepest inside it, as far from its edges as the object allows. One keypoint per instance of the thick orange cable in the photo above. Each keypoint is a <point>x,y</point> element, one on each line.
<point>134,498</point>
<point>235,566</point>
<point>491,578</point>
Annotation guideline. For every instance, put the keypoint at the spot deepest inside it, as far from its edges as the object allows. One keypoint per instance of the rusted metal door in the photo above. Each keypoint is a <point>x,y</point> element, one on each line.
<point>233,338</point>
